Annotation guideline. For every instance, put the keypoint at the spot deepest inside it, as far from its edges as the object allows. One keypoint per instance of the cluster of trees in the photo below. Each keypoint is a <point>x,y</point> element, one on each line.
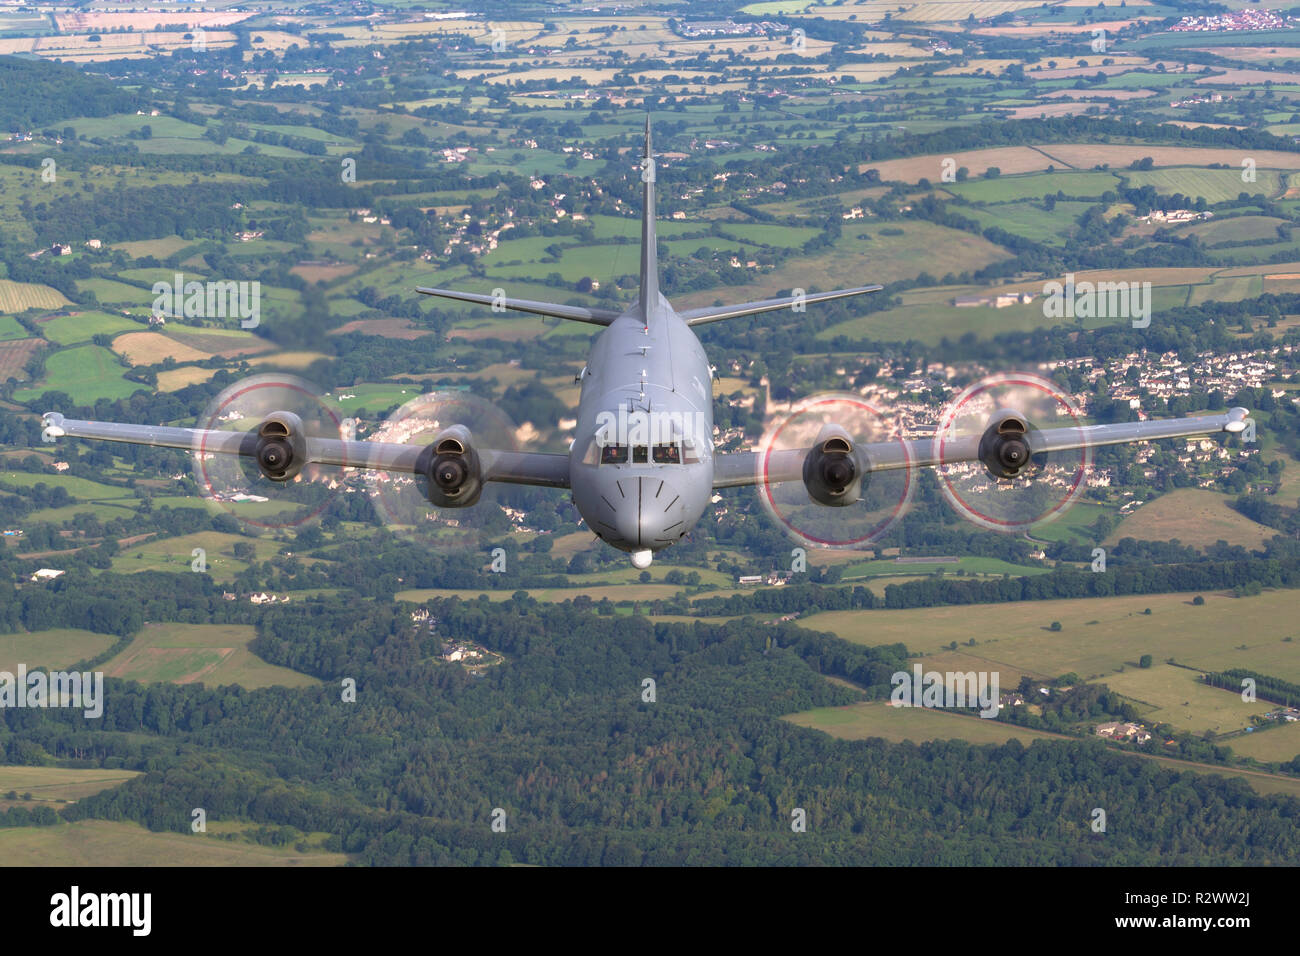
<point>116,603</point>
<point>1266,688</point>
<point>198,209</point>
<point>36,92</point>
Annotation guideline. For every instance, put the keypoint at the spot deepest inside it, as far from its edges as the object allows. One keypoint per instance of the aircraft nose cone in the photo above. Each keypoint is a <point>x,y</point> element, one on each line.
<point>649,513</point>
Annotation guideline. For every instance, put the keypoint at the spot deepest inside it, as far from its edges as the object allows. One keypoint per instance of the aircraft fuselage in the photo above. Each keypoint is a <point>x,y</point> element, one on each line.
<point>641,465</point>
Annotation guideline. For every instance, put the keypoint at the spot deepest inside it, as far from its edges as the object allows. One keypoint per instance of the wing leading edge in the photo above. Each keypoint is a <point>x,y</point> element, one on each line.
<point>747,468</point>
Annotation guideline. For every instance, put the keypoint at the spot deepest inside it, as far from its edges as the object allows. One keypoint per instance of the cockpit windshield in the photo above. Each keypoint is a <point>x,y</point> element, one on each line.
<point>662,454</point>
<point>660,443</point>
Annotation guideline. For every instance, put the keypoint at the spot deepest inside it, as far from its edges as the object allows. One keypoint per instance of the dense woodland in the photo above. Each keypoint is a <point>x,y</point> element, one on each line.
<point>587,773</point>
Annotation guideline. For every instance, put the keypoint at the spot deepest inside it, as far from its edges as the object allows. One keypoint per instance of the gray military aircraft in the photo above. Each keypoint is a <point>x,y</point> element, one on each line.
<point>642,469</point>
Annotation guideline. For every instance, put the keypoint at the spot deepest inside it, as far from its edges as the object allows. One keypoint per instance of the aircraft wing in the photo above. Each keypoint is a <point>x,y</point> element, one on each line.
<point>747,468</point>
<point>510,467</point>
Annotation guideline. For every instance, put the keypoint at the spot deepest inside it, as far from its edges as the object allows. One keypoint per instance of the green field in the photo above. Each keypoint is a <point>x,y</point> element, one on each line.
<point>217,340</point>
<point>83,326</point>
<point>1016,634</point>
<point>213,654</point>
<point>1176,696</point>
<point>788,237</point>
<point>933,317</point>
<point>83,488</point>
<point>59,784</point>
<point>1194,516</point>
<point>917,724</point>
<point>158,248</point>
<point>21,296</point>
<point>1237,229</point>
<point>1030,219</point>
<point>1073,525</point>
<point>1226,289</point>
<point>614,592</point>
<point>110,843</point>
<point>104,512</point>
<point>1033,186</point>
<point>87,373</point>
<point>111,292</point>
<point>176,554</point>
<point>1273,745</point>
<point>888,567</point>
<point>601,262</point>
<point>10,328</point>
<point>373,398</point>
<point>56,648</point>
<point>905,251</point>
<point>1215,185</point>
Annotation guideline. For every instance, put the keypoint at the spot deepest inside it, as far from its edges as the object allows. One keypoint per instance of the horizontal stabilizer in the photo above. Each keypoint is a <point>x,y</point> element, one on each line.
<point>577,313</point>
<point>718,313</point>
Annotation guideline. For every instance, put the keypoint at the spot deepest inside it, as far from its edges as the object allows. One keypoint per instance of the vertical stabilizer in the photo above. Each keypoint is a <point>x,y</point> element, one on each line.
<point>649,256</point>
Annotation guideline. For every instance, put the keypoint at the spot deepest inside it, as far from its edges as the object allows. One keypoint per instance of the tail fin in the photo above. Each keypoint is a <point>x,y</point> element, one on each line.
<point>649,252</point>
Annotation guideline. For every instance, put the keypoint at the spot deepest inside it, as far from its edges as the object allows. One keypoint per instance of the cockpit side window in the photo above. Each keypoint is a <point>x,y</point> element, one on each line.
<point>666,454</point>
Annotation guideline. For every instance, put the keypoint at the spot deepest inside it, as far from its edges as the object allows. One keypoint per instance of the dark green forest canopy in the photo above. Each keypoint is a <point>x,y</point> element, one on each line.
<point>38,93</point>
<point>587,772</point>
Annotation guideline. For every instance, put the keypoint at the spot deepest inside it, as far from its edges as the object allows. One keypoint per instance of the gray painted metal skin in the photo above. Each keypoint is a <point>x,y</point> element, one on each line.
<point>648,371</point>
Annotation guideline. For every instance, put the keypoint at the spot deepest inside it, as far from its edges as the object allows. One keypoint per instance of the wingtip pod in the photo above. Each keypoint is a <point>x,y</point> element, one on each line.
<point>53,426</point>
<point>1237,420</point>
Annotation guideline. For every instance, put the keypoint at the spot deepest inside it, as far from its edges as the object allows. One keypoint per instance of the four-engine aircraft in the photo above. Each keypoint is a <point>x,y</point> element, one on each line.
<point>642,469</point>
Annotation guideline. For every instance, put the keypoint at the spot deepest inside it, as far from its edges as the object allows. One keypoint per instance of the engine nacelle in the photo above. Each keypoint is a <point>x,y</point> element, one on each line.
<point>831,470</point>
<point>451,467</point>
<point>1004,447</point>
<point>280,448</point>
